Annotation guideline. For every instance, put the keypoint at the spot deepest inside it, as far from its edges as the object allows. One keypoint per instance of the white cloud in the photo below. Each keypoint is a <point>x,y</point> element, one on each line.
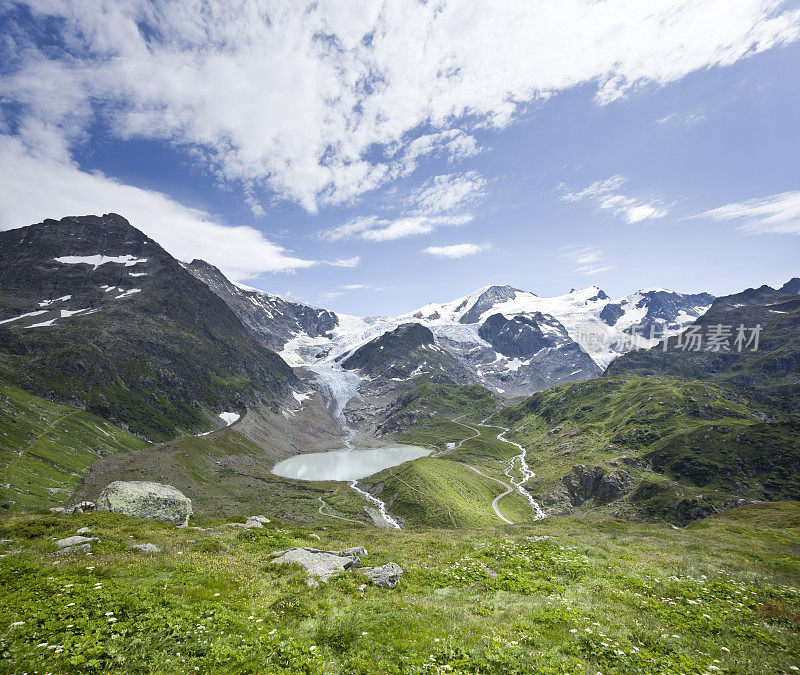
<point>37,185</point>
<point>356,287</point>
<point>355,261</point>
<point>456,250</point>
<point>588,260</point>
<point>299,98</point>
<point>607,196</point>
<point>779,213</point>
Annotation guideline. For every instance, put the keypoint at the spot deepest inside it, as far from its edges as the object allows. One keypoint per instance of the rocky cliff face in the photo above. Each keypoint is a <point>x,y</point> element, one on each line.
<point>96,314</point>
<point>272,319</point>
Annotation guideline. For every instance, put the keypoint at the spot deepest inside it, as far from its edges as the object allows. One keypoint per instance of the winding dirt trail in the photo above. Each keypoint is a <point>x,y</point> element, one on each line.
<point>520,459</point>
<point>330,515</point>
<point>509,490</point>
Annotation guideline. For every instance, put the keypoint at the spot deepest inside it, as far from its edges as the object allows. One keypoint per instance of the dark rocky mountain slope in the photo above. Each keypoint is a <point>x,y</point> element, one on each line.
<point>95,314</point>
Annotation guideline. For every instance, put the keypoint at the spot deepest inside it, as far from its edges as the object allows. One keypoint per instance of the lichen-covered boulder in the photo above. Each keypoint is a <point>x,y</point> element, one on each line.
<point>146,548</point>
<point>385,576</point>
<point>143,499</point>
<point>322,564</point>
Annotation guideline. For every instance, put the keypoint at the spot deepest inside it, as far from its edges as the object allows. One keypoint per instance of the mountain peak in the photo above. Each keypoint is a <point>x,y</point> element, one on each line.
<point>791,286</point>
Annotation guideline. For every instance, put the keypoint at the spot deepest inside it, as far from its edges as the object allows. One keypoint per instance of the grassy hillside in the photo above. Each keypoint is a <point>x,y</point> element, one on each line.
<point>439,492</point>
<point>566,595</point>
<point>45,447</point>
<point>683,448</point>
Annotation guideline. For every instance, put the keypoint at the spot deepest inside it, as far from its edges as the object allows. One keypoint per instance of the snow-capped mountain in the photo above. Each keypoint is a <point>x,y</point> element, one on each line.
<point>507,339</point>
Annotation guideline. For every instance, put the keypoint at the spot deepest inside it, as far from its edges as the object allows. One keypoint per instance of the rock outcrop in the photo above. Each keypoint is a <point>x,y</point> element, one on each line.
<point>584,483</point>
<point>146,548</point>
<point>75,544</point>
<point>143,499</point>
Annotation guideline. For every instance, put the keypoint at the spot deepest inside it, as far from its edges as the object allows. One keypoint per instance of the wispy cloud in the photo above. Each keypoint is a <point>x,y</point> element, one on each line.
<point>439,202</point>
<point>608,196</point>
<point>779,214</point>
<point>372,228</point>
<point>447,193</point>
<point>293,99</point>
<point>687,120</point>
<point>355,261</point>
<point>587,259</point>
<point>456,250</point>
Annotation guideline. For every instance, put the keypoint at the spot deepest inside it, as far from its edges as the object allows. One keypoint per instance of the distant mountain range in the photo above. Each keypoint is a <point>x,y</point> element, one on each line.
<point>107,342</point>
<point>509,340</point>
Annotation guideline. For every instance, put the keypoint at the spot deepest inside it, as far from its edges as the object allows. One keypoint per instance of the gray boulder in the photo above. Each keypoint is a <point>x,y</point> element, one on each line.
<point>321,564</point>
<point>146,548</point>
<point>84,530</point>
<point>259,519</point>
<point>143,499</point>
<point>76,540</point>
<point>354,551</point>
<point>385,576</point>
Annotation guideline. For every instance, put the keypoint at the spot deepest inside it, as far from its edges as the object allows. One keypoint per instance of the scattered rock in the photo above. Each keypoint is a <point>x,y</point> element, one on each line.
<point>354,551</point>
<point>58,509</point>
<point>385,576</point>
<point>84,530</point>
<point>146,548</point>
<point>76,540</point>
<point>256,521</point>
<point>312,583</point>
<point>5,542</point>
<point>143,499</point>
<point>321,564</point>
<point>82,507</point>
<point>314,536</point>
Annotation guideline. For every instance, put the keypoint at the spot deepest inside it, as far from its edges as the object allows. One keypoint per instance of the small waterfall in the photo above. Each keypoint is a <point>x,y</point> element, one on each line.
<point>527,474</point>
<point>391,522</point>
<point>524,469</point>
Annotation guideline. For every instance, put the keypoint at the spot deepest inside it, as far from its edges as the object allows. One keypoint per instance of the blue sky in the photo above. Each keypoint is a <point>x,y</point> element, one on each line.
<point>375,157</point>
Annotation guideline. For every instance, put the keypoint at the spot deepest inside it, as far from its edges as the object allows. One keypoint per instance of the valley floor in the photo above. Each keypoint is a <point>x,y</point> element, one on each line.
<point>562,595</point>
